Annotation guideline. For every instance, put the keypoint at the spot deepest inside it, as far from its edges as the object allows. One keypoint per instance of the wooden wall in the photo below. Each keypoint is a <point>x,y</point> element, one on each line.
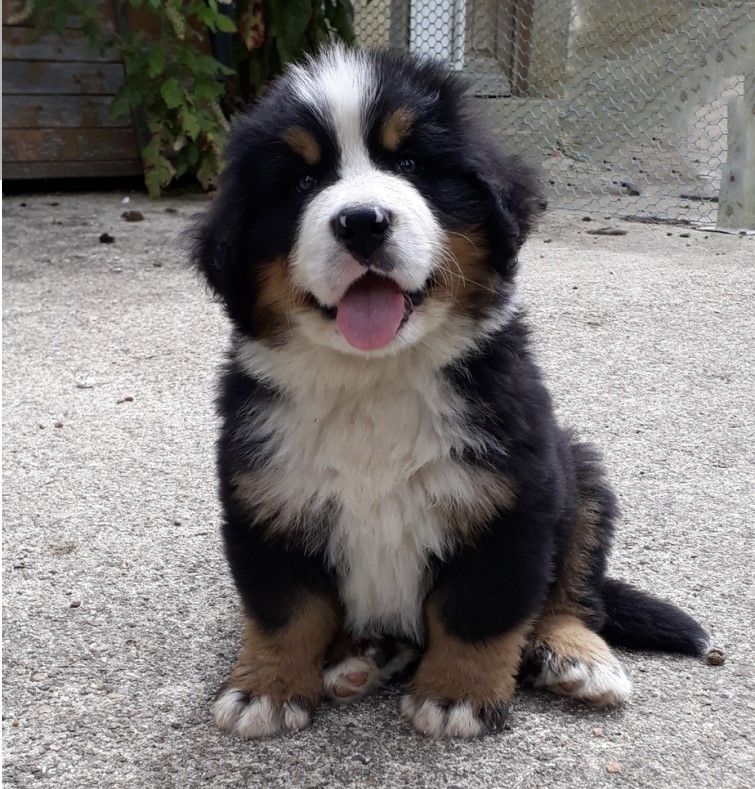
<point>56,100</point>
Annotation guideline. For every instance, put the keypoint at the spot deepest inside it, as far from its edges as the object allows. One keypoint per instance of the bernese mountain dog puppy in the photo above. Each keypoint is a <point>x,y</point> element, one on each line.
<point>398,496</point>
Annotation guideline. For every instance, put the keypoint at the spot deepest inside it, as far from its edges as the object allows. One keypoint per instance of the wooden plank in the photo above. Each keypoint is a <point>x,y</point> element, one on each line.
<point>55,112</point>
<point>41,78</point>
<point>21,43</point>
<point>15,13</point>
<point>93,169</point>
<point>52,145</point>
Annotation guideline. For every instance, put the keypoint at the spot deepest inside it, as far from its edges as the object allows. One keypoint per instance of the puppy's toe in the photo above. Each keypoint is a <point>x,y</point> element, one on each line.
<point>252,717</point>
<point>599,683</point>
<point>456,719</point>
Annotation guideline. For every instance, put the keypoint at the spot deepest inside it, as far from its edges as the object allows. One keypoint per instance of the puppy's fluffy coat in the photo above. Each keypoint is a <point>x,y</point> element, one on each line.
<point>395,486</point>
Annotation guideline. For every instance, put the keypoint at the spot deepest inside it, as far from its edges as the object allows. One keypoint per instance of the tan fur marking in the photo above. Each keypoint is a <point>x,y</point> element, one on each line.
<point>569,587</point>
<point>287,663</point>
<point>466,278</point>
<point>396,127</point>
<point>301,142</point>
<point>276,298</point>
<point>568,637</point>
<point>455,670</point>
<point>494,493</point>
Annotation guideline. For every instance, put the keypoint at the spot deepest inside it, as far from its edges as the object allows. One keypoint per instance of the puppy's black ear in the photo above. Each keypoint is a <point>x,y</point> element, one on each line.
<point>210,248</point>
<point>515,199</point>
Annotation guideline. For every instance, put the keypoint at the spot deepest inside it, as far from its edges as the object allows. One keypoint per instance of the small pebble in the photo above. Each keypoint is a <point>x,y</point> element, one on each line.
<point>598,731</point>
<point>38,677</point>
<point>587,219</point>
<point>126,200</point>
<point>715,657</point>
<point>614,768</point>
<point>75,604</point>
<point>547,240</point>
<point>132,216</point>
<point>126,399</point>
<point>58,424</point>
<point>683,235</point>
<point>157,264</point>
<point>106,238</point>
<point>171,210</point>
<point>117,269</point>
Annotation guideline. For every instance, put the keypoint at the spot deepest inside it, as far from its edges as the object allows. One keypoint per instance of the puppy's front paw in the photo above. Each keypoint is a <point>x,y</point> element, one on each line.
<point>251,717</point>
<point>461,719</point>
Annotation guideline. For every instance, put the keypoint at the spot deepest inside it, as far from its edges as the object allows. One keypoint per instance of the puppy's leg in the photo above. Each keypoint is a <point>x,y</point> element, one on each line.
<point>462,688</point>
<point>277,681</point>
<point>355,669</point>
<point>565,654</point>
<point>476,624</point>
<point>566,657</point>
<point>291,616</point>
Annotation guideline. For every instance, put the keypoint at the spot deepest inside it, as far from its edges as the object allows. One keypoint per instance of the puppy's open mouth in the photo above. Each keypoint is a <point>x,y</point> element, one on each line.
<point>372,311</point>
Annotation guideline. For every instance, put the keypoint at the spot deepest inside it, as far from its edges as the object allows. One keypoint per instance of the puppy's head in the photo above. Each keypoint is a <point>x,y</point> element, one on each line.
<point>364,208</point>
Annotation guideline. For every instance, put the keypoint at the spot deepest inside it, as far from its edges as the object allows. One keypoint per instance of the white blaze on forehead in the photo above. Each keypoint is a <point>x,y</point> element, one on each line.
<point>339,86</point>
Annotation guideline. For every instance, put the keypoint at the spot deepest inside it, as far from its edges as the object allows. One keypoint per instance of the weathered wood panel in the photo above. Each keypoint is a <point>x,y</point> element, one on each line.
<point>56,112</point>
<point>57,95</point>
<point>38,77</point>
<point>14,13</point>
<point>55,145</point>
<point>93,169</point>
<point>21,43</point>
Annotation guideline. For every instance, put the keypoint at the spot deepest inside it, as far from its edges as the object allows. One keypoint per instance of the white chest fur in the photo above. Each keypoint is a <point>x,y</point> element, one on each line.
<point>373,442</point>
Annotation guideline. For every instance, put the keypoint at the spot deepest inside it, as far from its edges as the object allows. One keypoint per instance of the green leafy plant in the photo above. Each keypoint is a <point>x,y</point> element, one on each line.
<point>180,94</point>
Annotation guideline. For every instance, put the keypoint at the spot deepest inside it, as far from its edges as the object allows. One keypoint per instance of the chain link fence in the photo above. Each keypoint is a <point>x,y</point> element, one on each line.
<point>641,109</point>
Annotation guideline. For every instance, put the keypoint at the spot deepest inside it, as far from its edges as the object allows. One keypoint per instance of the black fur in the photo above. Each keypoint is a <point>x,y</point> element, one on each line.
<point>636,620</point>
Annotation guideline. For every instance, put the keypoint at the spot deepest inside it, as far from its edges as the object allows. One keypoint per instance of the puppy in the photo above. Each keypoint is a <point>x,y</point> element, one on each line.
<point>396,489</point>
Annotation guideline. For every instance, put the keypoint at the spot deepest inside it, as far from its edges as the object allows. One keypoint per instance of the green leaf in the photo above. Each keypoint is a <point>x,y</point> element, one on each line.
<point>289,23</point>
<point>225,24</point>
<point>341,17</point>
<point>189,124</point>
<point>156,61</point>
<point>172,93</point>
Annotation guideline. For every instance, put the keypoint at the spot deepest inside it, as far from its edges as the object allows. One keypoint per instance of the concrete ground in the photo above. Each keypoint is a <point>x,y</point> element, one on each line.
<point>120,620</point>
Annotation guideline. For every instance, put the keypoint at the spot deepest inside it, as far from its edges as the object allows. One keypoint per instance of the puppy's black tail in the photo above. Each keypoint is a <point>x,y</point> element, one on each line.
<point>636,620</point>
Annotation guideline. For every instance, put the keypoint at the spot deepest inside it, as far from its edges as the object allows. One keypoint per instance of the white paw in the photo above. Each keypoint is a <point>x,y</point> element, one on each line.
<point>358,675</point>
<point>459,719</point>
<point>351,679</point>
<point>250,718</point>
<point>599,684</point>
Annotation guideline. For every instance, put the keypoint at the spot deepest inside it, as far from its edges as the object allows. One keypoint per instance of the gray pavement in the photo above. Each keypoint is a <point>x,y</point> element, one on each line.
<point>119,616</point>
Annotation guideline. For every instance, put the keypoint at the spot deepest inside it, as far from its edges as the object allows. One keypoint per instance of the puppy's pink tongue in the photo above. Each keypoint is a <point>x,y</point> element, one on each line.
<point>370,312</point>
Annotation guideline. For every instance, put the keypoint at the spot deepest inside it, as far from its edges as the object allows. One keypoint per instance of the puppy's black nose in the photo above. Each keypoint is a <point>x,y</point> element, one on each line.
<point>361,229</point>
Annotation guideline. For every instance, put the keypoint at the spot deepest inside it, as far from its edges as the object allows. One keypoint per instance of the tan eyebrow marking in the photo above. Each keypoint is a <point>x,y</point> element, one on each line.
<point>395,128</point>
<point>302,142</point>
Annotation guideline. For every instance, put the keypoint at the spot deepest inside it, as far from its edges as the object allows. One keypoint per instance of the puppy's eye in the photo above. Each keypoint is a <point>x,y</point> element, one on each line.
<point>407,165</point>
<point>306,182</point>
